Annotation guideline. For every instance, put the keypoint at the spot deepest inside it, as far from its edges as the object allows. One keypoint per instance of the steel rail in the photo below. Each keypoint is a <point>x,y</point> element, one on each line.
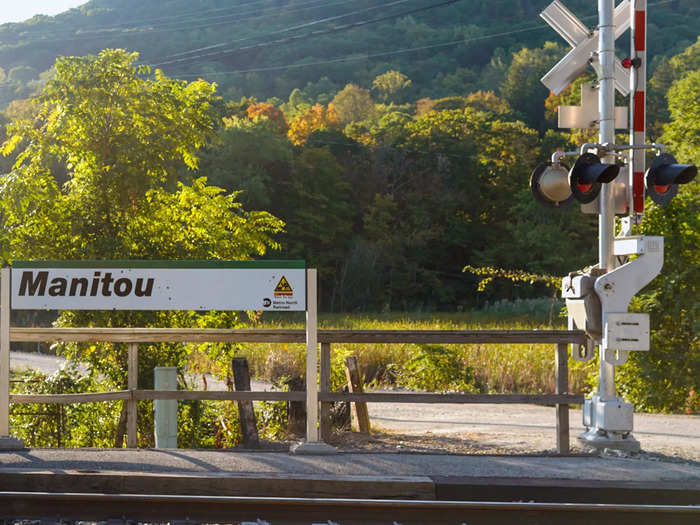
<point>292,511</point>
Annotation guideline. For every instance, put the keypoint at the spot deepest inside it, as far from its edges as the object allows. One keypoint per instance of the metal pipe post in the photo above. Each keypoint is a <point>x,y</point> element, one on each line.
<point>606,219</point>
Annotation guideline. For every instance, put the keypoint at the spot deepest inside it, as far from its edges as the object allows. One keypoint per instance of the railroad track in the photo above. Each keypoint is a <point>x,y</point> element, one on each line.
<point>68,507</point>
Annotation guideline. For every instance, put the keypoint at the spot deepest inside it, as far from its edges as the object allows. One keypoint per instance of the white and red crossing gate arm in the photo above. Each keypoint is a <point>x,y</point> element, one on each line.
<point>638,81</point>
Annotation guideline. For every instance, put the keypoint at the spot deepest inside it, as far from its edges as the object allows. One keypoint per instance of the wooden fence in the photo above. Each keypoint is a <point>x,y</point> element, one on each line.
<point>561,398</point>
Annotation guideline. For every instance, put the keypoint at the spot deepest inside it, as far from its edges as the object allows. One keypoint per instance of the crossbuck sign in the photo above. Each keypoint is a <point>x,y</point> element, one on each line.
<point>584,43</point>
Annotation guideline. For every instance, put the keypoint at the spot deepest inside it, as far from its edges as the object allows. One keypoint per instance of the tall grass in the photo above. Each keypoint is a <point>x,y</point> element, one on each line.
<point>494,368</point>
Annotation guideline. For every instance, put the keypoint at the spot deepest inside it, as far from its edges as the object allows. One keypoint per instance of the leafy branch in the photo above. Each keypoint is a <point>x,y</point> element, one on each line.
<point>489,273</point>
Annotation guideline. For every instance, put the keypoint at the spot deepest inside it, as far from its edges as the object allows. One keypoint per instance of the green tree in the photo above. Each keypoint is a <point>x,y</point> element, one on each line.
<point>317,212</point>
<point>353,104</point>
<point>522,87</point>
<point>122,137</point>
<point>682,134</point>
<point>251,157</point>
<point>666,73</point>
<point>389,84</point>
<point>666,378</point>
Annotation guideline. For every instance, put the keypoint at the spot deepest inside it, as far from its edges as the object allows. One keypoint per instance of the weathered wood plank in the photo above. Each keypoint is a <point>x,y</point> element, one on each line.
<point>192,395</point>
<point>144,395</point>
<point>62,399</point>
<point>325,386</point>
<point>354,378</point>
<point>370,397</point>
<point>156,335</point>
<point>246,413</point>
<point>561,370</point>
<point>131,405</point>
<point>389,397</point>
<point>451,336</point>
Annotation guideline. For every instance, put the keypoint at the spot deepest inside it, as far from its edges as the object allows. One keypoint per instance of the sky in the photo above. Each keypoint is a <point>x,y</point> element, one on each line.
<point>19,10</point>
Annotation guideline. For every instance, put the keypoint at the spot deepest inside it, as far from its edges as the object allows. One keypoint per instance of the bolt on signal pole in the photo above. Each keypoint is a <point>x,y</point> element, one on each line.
<point>606,218</point>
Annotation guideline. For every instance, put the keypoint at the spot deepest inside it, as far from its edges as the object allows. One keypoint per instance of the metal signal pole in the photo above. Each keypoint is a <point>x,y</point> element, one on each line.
<point>606,218</point>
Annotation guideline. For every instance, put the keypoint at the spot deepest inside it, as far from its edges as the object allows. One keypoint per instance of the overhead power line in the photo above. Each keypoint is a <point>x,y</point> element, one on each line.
<point>278,31</point>
<point>164,20</point>
<point>355,57</point>
<point>130,32</point>
<point>312,34</point>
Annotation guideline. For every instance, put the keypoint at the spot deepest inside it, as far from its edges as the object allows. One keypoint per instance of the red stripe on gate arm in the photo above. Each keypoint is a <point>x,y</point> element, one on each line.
<point>638,116</point>
<point>640,30</point>
<point>638,191</point>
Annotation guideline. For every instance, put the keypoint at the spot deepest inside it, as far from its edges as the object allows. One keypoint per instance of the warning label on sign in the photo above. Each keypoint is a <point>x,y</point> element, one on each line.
<point>283,288</point>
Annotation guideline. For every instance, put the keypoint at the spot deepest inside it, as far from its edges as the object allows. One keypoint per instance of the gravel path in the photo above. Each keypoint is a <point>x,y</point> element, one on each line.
<point>528,428</point>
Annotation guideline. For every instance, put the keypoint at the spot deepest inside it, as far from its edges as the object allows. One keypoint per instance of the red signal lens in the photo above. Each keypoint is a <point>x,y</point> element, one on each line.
<point>584,188</point>
<point>627,63</point>
<point>662,189</point>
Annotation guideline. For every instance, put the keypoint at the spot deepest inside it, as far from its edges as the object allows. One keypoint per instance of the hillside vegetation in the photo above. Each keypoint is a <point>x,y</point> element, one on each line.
<point>390,175</point>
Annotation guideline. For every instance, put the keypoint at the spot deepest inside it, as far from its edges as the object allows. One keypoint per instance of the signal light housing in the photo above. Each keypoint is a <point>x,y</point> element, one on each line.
<point>663,177</point>
<point>588,174</point>
<point>549,184</point>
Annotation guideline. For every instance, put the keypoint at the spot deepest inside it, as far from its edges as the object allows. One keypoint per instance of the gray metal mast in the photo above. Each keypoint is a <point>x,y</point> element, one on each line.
<point>606,218</point>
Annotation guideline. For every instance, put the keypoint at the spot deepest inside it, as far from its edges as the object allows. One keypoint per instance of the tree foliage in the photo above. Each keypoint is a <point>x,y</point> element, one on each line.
<point>666,378</point>
<point>122,139</point>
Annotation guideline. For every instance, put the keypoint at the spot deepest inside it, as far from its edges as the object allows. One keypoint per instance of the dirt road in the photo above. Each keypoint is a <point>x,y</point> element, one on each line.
<point>527,428</point>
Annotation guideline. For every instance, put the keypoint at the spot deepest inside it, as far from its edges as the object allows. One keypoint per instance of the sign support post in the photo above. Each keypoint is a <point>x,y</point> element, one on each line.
<point>313,443</point>
<point>6,441</point>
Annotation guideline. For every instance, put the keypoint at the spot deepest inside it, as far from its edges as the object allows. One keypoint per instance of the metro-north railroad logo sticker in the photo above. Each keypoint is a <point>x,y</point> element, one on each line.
<point>283,288</point>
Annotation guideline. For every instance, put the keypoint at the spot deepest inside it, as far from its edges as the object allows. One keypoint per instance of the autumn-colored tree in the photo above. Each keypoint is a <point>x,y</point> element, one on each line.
<point>353,104</point>
<point>269,112</point>
<point>308,121</point>
<point>490,102</point>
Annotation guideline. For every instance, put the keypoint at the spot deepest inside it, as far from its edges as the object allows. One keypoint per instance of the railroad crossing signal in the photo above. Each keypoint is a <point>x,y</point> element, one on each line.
<point>584,43</point>
<point>588,174</point>
<point>664,176</point>
<point>585,116</point>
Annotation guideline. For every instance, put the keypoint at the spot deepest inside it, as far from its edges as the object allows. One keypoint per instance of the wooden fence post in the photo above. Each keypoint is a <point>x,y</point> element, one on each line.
<point>131,404</point>
<point>324,387</point>
<point>352,372</point>
<point>562,387</point>
<point>246,414</point>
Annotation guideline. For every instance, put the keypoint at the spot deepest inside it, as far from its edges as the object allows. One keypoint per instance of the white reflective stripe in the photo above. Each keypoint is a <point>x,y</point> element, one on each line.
<point>565,23</point>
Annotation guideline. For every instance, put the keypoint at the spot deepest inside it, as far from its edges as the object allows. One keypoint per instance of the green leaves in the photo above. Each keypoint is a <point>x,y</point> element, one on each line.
<point>120,140</point>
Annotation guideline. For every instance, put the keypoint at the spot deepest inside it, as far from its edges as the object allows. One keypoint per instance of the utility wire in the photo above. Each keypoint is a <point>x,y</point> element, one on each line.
<point>354,58</point>
<point>309,35</point>
<point>165,20</point>
<point>146,31</point>
<point>279,31</point>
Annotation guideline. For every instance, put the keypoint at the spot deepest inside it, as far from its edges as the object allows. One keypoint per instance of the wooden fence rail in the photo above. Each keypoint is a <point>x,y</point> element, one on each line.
<point>133,336</point>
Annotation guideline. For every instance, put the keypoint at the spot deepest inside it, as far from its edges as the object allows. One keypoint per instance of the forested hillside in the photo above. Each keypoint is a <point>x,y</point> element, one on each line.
<point>391,155</point>
<point>396,151</point>
<point>267,48</point>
